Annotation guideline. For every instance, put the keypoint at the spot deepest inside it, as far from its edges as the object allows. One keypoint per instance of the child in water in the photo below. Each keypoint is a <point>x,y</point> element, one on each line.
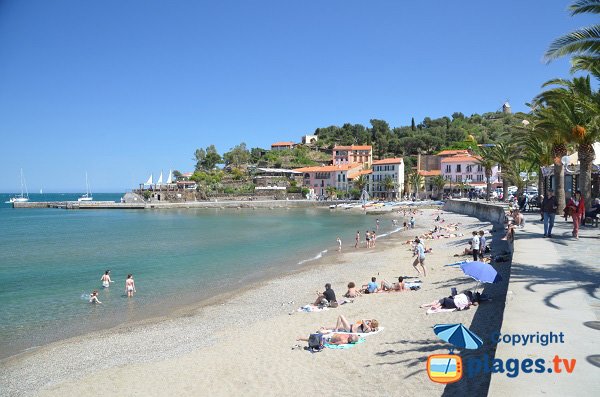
<point>94,297</point>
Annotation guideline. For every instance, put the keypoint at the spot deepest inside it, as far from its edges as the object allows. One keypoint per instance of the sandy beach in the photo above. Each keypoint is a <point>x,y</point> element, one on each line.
<point>243,342</point>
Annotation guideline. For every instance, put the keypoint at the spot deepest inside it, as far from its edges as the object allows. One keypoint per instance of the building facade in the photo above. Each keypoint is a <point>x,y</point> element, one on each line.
<point>319,178</point>
<point>382,170</point>
<point>464,169</point>
<point>353,154</point>
<point>282,146</point>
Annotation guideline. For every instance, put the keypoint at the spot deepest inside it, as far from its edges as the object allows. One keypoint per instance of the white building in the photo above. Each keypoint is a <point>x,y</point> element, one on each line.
<point>309,139</point>
<point>393,168</point>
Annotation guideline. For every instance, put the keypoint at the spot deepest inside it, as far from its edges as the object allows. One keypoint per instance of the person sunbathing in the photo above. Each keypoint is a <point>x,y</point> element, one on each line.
<point>361,326</point>
<point>389,287</point>
<point>352,291</point>
<point>337,339</point>
<point>459,302</point>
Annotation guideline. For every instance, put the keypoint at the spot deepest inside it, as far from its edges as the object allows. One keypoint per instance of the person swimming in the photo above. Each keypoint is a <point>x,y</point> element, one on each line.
<point>94,297</point>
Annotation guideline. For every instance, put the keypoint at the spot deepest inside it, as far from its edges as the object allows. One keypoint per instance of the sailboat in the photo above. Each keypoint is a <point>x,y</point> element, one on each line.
<point>87,196</point>
<point>24,197</point>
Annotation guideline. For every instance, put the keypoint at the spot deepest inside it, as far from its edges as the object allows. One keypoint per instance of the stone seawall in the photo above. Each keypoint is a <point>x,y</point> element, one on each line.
<point>485,211</point>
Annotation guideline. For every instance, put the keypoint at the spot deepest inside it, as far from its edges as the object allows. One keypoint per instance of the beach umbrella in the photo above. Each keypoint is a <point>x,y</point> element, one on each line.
<point>458,335</point>
<point>481,272</point>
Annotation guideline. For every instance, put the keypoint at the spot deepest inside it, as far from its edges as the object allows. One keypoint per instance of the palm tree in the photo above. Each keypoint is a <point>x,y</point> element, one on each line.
<point>439,183</point>
<point>536,151</point>
<point>360,182</point>
<point>571,110</point>
<point>488,163</point>
<point>331,191</point>
<point>389,185</point>
<point>416,180</point>
<point>583,44</point>
<point>504,154</point>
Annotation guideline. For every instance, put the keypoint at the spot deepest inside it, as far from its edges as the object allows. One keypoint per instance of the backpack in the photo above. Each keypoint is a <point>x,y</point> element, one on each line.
<point>315,342</point>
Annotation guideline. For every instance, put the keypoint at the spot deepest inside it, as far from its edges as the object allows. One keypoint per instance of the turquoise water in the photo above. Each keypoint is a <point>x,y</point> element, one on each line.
<point>51,259</point>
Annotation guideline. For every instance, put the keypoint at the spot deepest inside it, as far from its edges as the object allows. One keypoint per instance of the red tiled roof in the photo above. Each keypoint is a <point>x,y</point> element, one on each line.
<point>330,168</point>
<point>395,160</point>
<point>359,173</point>
<point>353,147</point>
<point>452,152</point>
<point>282,144</point>
<point>461,159</point>
<point>430,173</point>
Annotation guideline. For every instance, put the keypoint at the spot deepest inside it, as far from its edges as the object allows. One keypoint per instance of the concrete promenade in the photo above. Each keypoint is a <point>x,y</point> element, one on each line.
<point>554,287</point>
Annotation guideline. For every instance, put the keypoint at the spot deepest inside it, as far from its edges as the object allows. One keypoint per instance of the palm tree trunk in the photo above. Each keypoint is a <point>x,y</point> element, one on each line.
<point>559,186</point>
<point>541,182</point>
<point>586,159</point>
<point>488,185</point>
<point>504,189</point>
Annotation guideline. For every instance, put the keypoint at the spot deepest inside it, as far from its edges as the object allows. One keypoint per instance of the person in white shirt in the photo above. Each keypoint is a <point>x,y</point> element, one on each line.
<point>475,246</point>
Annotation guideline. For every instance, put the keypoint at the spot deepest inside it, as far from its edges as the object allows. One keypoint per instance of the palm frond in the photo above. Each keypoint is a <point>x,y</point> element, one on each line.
<point>585,6</point>
<point>584,41</point>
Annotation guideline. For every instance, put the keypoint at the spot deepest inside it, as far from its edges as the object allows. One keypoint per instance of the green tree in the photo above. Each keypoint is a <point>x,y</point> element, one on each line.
<point>438,183</point>
<point>389,185</point>
<point>583,44</point>
<point>239,155</point>
<point>488,163</point>
<point>331,192</point>
<point>506,155</point>
<point>412,124</point>
<point>416,180</point>
<point>207,159</point>
<point>360,182</point>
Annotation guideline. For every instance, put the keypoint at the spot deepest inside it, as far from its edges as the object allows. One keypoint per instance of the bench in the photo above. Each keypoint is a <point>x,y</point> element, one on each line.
<point>593,221</point>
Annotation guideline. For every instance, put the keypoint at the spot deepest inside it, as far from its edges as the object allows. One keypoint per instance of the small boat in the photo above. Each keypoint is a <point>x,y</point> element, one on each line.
<point>87,196</point>
<point>24,197</point>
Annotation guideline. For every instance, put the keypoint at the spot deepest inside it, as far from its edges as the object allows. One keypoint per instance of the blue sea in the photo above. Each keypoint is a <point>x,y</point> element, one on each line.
<point>51,259</point>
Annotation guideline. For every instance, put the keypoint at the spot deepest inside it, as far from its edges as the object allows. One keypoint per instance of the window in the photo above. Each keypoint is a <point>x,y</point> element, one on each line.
<point>479,178</point>
<point>470,177</point>
<point>458,178</point>
<point>393,167</point>
<point>469,168</point>
<point>339,177</point>
<point>458,168</point>
<point>479,168</point>
<point>448,170</point>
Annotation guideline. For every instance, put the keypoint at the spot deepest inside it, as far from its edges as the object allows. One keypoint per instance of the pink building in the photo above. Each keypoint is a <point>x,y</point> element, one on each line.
<point>464,168</point>
<point>319,178</point>
<point>353,154</point>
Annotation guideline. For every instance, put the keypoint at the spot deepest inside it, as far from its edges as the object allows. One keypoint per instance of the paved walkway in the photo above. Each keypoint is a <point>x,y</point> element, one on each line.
<point>554,287</point>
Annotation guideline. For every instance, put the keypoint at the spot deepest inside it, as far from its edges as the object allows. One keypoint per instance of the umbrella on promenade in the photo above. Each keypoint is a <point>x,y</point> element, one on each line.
<point>481,272</point>
<point>458,335</point>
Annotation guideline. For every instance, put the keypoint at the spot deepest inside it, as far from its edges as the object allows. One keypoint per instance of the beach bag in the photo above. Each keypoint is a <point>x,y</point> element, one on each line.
<point>315,342</point>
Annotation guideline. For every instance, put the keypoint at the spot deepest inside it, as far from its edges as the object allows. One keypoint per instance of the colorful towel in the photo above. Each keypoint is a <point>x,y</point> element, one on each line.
<point>431,310</point>
<point>311,308</point>
<point>346,346</point>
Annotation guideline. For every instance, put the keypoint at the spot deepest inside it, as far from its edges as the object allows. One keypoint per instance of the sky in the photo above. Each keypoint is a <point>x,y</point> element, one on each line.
<point>121,89</point>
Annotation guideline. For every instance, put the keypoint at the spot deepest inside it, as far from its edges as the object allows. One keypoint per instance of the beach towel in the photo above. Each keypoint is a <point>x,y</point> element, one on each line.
<point>311,308</point>
<point>431,310</point>
<point>456,263</point>
<point>346,346</point>
<point>412,284</point>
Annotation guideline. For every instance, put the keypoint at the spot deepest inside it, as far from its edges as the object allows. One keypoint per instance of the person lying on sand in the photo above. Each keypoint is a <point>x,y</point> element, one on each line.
<point>352,291</point>
<point>337,339</point>
<point>389,287</point>
<point>459,302</point>
<point>361,326</point>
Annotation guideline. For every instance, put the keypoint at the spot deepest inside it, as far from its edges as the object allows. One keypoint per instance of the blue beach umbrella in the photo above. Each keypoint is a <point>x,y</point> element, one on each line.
<point>458,335</point>
<point>480,271</point>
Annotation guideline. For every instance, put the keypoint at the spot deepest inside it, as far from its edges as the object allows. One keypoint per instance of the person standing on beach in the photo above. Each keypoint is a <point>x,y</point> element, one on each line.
<point>420,257</point>
<point>106,279</point>
<point>549,206</point>
<point>475,246</point>
<point>377,224</point>
<point>482,244</point>
<point>357,239</point>
<point>373,238</point>
<point>412,222</point>
<point>339,243</point>
<point>130,286</point>
<point>368,239</point>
